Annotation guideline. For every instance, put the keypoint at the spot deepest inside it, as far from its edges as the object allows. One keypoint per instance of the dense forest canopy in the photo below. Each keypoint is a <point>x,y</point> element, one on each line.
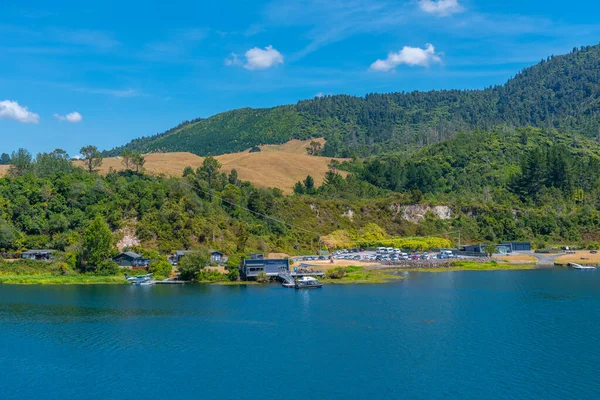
<point>562,92</point>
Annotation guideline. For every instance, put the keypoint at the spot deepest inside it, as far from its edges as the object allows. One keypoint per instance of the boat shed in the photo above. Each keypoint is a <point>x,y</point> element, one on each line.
<point>249,269</point>
<point>127,259</point>
<point>517,246</point>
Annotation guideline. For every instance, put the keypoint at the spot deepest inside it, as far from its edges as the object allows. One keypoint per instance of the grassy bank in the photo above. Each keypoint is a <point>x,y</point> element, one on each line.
<point>79,279</point>
<point>359,275</point>
<point>477,266</point>
<point>30,272</point>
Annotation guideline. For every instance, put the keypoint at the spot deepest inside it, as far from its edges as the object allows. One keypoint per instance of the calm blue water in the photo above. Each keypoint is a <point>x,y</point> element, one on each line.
<point>468,335</point>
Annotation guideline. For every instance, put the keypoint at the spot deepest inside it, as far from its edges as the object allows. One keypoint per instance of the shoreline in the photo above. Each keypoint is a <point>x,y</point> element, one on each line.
<point>352,275</point>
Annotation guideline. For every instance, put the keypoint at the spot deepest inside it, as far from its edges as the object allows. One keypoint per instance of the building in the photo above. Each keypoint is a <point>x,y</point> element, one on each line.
<point>518,246</point>
<point>179,254</point>
<point>502,248</point>
<point>249,269</point>
<point>43,255</point>
<point>128,259</point>
<point>216,256</point>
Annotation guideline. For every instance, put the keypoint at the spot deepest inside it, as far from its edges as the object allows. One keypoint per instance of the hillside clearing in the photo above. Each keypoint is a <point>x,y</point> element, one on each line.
<point>278,166</point>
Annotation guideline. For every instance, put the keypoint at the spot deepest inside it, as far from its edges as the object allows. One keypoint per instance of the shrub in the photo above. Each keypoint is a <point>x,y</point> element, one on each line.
<point>160,268</point>
<point>336,273</point>
<point>233,275</point>
<point>234,261</point>
<point>107,268</point>
<point>262,277</point>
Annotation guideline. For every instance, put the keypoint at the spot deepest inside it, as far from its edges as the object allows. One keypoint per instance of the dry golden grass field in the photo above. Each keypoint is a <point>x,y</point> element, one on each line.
<point>275,166</point>
<point>580,257</point>
<point>517,259</point>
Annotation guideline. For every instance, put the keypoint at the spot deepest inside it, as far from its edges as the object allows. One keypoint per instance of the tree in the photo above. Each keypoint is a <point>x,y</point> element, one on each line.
<point>107,268</point>
<point>192,264</point>
<point>21,162</point>
<point>242,233</point>
<point>209,170</point>
<point>490,250</point>
<point>98,242</point>
<point>309,185</point>
<point>188,171</point>
<point>160,268</point>
<point>8,236</point>
<point>47,164</point>
<point>139,161</point>
<point>314,148</point>
<point>133,160</point>
<point>127,159</point>
<point>4,159</point>
<point>92,158</point>
<point>299,188</point>
<point>233,177</point>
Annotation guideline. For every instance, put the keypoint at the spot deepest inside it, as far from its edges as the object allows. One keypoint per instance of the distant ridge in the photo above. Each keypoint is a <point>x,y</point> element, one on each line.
<point>561,92</point>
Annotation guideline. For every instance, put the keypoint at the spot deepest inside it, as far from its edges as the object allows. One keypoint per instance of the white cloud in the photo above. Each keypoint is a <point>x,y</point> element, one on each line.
<point>319,95</point>
<point>73,117</point>
<point>12,110</point>
<point>233,59</point>
<point>412,56</point>
<point>443,8</point>
<point>257,58</point>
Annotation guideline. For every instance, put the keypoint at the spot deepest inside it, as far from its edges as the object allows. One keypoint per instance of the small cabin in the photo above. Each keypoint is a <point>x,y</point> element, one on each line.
<point>41,255</point>
<point>249,269</point>
<point>128,259</point>
<point>216,256</point>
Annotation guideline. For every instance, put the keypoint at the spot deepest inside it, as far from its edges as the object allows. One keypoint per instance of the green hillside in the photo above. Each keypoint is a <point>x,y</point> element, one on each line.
<point>562,92</point>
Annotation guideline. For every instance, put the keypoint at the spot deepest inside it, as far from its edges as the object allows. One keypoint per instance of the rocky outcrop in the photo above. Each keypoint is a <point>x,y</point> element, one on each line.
<point>415,213</point>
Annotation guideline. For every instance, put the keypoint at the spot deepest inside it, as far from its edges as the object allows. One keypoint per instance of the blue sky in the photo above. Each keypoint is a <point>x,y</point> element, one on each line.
<point>73,74</point>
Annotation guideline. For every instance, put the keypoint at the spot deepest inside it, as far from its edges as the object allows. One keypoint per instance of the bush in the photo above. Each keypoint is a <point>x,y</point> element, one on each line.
<point>539,244</point>
<point>336,273</point>
<point>262,277</point>
<point>107,268</point>
<point>234,261</point>
<point>233,275</point>
<point>160,268</point>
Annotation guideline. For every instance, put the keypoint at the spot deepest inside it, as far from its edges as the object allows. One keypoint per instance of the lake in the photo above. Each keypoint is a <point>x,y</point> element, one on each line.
<point>465,335</point>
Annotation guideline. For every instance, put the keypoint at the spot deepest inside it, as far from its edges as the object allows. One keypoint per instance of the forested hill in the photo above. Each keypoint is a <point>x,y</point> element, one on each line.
<point>562,92</point>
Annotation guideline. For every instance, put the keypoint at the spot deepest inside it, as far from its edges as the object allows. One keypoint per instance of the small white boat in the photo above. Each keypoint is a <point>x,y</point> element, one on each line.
<point>579,266</point>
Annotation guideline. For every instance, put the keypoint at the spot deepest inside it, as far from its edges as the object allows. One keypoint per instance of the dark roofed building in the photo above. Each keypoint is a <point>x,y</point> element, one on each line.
<point>249,269</point>
<point>127,259</point>
<point>43,255</point>
<point>216,256</point>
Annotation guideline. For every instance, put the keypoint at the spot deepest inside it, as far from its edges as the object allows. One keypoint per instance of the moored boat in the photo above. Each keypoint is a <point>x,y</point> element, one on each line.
<point>579,266</point>
<point>308,282</point>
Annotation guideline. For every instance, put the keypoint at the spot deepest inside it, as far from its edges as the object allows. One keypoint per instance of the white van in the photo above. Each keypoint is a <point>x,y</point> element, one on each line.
<point>381,250</point>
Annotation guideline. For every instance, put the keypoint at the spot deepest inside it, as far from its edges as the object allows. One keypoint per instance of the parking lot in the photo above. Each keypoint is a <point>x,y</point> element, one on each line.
<point>381,255</point>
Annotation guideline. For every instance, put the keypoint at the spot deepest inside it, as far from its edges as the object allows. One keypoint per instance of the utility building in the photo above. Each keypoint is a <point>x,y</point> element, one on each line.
<point>249,269</point>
